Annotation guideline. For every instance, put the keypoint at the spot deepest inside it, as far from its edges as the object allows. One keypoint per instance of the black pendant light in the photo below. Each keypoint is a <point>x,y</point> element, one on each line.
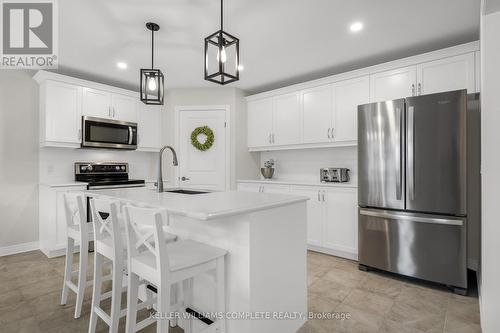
<point>152,85</point>
<point>222,55</point>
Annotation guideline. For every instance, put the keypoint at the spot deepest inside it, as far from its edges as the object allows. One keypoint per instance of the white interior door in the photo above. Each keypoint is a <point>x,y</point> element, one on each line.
<point>203,169</point>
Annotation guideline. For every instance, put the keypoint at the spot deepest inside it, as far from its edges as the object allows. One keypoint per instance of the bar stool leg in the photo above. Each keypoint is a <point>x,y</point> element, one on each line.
<point>163,304</point>
<point>96,293</point>
<point>68,268</point>
<point>221,295</point>
<point>187,293</point>
<point>116,295</point>
<point>132,295</point>
<point>82,278</point>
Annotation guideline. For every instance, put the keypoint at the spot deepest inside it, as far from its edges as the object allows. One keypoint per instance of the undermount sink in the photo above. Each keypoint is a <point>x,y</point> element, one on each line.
<point>186,192</point>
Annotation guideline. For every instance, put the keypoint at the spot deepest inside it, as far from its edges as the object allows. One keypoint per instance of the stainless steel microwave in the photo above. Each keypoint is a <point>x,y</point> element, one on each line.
<point>108,133</point>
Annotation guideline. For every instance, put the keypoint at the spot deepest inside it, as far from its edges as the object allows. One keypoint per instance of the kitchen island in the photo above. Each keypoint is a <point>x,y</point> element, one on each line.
<point>265,236</point>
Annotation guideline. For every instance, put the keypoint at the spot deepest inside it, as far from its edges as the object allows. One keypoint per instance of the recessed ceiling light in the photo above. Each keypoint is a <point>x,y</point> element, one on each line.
<point>241,67</point>
<point>356,27</point>
<point>121,65</point>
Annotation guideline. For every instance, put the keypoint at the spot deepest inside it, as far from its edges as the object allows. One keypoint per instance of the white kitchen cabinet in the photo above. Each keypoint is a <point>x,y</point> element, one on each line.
<point>52,218</point>
<point>104,104</point>
<point>264,188</point>
<point>332,216</point>
<point>314,213</point>
<point>317,109</point>
<point>274,188</point>
<point>393,84</point>
<point>286,120</point>
<point>60,114</point>
<point>96,103</point>
<point>341,220</point>
<point>249,187</point>
<point>452,73</point>
<point>124,107</point>
<point>347,95</point>
<point>149,127</point>
<point>260,122</point>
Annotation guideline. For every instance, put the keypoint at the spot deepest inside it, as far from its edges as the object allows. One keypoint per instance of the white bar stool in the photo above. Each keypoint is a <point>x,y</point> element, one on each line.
<point>150,258</point>
<point>108,245</point>
<point>77,230</point>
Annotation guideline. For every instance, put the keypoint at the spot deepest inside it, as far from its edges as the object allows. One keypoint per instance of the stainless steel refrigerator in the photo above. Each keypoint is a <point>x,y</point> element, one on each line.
<point>413,173</point>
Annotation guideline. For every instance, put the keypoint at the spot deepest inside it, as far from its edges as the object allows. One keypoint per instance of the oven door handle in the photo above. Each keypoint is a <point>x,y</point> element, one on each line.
<point>130,135</point>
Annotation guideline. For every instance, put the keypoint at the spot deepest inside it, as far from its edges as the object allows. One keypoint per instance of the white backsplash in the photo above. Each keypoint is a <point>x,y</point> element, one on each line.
<point>57,164</point>
<point>304,164</point>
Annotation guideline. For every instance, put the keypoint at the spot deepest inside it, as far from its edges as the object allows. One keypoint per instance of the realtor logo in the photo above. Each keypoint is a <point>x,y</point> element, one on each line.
<point>29,34</point>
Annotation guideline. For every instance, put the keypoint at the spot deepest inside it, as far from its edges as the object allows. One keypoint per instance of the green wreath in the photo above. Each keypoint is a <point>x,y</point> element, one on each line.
<point>208,133</point>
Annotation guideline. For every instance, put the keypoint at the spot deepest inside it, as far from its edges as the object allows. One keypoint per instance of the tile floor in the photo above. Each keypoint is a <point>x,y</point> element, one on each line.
<point>30,290</point>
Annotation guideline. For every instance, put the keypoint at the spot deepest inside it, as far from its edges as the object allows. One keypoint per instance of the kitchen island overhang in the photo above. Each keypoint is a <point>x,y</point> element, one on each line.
<point>265,236</point>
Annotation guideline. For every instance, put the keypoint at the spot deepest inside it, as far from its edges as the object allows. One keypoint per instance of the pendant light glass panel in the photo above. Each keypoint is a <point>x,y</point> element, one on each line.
<point>152,80</point>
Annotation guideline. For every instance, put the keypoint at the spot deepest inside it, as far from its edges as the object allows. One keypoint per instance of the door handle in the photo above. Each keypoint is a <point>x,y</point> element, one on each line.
<point>269,138</point>
<point>329,133</point>
<point>272,138</point>
<point>332,133</point>
<point>323,196</point>
<point>399,160</point>
<point>130,135</point>
<point>419,89</point>
<point>413,89</point>
<point>319,199</point>
<point>184,178</point>
<point>109,111</point>
<point>410,151</point>
<point>114,112</point>
<point>392,216</point>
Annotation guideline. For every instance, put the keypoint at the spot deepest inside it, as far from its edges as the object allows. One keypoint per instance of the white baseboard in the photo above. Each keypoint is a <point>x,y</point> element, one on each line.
<point>337,253</point>
<point>18,248</point>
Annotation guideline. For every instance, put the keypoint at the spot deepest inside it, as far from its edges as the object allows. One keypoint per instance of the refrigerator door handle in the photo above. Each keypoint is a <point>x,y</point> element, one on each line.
<point>399,145</point>
<point>402,217</point>
<point>410,156</point>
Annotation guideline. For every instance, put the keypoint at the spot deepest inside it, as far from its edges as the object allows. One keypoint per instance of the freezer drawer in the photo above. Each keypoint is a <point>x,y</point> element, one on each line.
<point>429,247</point>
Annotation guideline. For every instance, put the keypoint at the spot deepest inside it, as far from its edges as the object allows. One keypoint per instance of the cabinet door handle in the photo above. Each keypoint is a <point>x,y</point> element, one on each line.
<point>329,133</point>
<point>269,139</point>
<point>109,111</point>
<point>323,196</point>
<point>319,199</point>
<point>113,111</point>
<point>413,89</point>
<point>419,89</point>
<point>272,135</point>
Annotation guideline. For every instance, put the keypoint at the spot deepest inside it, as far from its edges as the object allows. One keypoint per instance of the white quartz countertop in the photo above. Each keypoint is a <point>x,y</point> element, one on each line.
<point>296,182</point>
<point>203,206</point>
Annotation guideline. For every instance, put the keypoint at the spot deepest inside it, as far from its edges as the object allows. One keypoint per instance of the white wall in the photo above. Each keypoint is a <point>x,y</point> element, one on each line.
<point>243,163</point>
<point>304,164</point>
<point>18,158</point>
<point>490,165</point>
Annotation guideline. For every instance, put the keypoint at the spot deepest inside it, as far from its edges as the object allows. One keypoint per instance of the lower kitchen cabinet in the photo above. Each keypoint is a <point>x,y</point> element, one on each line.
<point>52,218</point>
<point>332,218</point>
<point>340,230</point>
<point>264,188</point>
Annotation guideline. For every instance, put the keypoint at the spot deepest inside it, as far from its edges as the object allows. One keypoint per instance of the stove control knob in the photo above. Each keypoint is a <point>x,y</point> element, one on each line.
<point>123,167</point>
<point>117,168</point>
<point>89,168</point>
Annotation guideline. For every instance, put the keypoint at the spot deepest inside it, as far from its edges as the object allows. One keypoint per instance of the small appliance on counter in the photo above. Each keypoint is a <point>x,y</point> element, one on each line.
<point>334,175</point>
<point>268,170</point>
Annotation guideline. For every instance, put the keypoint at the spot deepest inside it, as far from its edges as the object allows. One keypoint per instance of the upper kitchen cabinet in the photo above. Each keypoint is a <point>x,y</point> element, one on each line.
<point>347,95</point>
<point>104,104</point>
<point>149,127</point>
<point>96,103</point>
<point>260,122</point>
<point>60,113</point>
<point>393,84</point>
<point>317,108</point>
<point>446,74</point>
<point>64,100</point>
<point>286,120</point>
<point>124,107</point>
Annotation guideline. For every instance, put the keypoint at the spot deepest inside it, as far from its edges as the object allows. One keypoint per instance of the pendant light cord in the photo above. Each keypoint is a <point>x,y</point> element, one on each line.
<point>152,47</point>
<point>221,14</point>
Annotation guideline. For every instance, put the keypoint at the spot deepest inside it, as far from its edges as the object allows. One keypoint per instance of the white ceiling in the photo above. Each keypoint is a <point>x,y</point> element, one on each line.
<point>282,41</point>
